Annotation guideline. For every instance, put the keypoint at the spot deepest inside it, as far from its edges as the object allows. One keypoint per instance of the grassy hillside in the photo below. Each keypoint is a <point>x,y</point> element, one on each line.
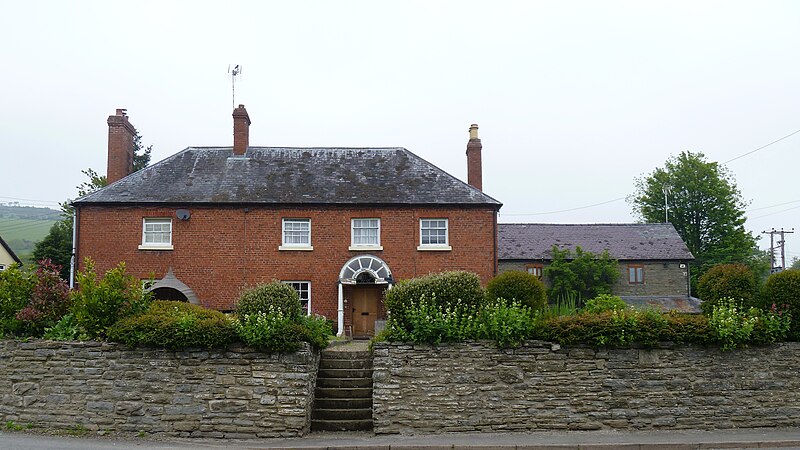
<point>23,226</point>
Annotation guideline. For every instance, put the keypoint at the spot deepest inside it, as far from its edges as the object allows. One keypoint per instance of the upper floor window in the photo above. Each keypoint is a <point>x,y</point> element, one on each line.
<point>535,270</point>
<point>366,233</point>
<point>303,288</point>
<point>296,234</point>
<point>433,234</point>
<point>635,274</point>
<point>156,234</point>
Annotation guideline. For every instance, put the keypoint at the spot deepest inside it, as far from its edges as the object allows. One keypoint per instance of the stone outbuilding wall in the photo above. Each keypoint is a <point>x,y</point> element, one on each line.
<point>238,393</point>
<point>476,387</point>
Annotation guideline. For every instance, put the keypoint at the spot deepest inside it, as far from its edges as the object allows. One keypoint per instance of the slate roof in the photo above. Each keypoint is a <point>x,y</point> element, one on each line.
<point>278,175</point>
<point>629,241</point>
<point>10,252</point>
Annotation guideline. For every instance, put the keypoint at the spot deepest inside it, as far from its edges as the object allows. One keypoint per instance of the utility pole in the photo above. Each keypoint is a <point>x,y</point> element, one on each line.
<point>667,190</point>
<point>782,244</point>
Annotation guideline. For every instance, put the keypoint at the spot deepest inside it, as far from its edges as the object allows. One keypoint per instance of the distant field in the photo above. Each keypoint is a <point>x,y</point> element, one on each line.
<point>22,234</point>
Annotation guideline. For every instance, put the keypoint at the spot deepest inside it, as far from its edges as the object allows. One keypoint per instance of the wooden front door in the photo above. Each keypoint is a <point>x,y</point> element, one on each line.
<point>365,310</point>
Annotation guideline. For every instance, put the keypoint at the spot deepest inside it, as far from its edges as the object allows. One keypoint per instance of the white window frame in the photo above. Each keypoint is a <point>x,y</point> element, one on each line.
<point>293,245</point>
<point>292,282</point>
<point>353,245</point>
<point>437,246</point>
<point>156,245</point>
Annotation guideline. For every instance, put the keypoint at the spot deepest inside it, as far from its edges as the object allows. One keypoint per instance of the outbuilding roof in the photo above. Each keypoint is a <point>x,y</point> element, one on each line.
<point>280,175</point>
<point>628,241</point>
<point>9,250</point>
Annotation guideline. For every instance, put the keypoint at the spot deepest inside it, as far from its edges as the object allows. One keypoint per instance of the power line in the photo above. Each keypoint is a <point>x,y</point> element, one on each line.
<point>776,212</point>
<point>30,200</point>
<point>566,210</point>
<point>772,206</point>
<point>762,147</point>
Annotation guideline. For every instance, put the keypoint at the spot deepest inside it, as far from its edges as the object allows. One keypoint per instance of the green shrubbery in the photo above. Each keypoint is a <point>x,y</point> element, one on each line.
<point>725,281</point>
<point>99,303</point>
<point>603,303</point>
<point>49,300</point>
<point>520,286</point>
<point>583,273</point>
<point>16,287</point>
<point>175,325</point>
<point>270,317</point>
<point>443,289</point>
<point>782,291</point>
<point>736,326</point>
<point>273,297</point>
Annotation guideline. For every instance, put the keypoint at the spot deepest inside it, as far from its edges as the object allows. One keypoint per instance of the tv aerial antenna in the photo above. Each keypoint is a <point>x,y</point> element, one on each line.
<point>235,73</point>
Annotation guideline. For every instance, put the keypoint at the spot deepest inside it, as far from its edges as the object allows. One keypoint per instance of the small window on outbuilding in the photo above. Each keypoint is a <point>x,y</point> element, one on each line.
<point>535,270</point>
<point>635,274</point>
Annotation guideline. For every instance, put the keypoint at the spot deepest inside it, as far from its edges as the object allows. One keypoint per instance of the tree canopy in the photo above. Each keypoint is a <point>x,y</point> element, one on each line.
<point>582,274</point>
<point>705,207</point>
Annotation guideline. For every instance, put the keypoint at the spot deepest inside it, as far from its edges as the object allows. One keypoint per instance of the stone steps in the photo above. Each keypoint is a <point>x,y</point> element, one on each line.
<point>343,395</point>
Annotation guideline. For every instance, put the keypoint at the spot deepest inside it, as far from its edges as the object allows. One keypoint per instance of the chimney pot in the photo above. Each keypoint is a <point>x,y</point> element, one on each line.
<point>241,130</point>
<point>474,164</point>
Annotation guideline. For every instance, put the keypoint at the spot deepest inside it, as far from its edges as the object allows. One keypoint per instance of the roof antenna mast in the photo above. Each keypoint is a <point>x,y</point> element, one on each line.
<point>234,73</point>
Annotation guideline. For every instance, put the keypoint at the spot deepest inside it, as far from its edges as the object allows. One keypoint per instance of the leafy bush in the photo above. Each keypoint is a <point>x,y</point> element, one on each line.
<point>16,287</point>
<point>506,323</point>
<point>49,300</point>
<point>99,303</point>
<point>603,303</point>
<point>66,329</point>
<point>725,281</point>
<point>443,289</point>
<point>268,297</point>
<point>174,325</point>
<point>783,290</point>
<point>520,286</point>
<point>736,326</point>
<point>583,273</point>
<point>274,331</point>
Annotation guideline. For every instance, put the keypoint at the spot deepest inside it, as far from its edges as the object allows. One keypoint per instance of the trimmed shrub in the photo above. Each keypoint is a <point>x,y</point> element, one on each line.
<point>49,300</point>
<point>725,281</point>
<point>627,327</point>
<point>99,303</point>
<point>268,297</point>
<point>782,289</point>
<point>16,287</point>
<point>174,325</point>
<point>603,303</point>
<point>520,286</point>
<point>443,289</point>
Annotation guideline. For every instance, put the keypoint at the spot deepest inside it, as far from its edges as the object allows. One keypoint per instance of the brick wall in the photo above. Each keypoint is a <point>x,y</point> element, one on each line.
<point>220,250</point>
<point>476,387</point>
<point>238,393</point>
<point>660,277</point>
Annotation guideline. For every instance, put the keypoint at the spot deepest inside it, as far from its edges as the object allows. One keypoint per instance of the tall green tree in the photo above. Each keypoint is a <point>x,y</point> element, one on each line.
<point>581,274</point>
<point>705,207</point>
<point>57,245</point>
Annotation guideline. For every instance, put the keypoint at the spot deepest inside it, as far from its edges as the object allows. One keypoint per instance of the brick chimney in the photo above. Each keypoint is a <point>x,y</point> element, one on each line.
<point>241,130</point>
<point>474,168</point>
<point>120,146</point>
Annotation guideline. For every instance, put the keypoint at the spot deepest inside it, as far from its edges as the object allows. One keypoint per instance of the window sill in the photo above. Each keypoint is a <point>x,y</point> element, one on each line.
<point>298,248</point>
<point>155,247</point>
<point>362,248</point>
<point>434,248</point>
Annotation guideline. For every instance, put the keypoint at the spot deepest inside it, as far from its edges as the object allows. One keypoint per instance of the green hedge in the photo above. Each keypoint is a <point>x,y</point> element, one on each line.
<point>445,289</point>
<point>270,297</point>
<point>175,325</point>
<point>726,281</point>
<point>782,290</point>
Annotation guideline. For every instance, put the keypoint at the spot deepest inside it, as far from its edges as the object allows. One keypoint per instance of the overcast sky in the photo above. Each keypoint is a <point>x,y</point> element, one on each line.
<point>574,99</point>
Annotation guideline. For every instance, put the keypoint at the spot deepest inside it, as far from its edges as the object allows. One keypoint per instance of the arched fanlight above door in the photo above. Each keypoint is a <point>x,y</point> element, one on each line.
<point>362,267</point>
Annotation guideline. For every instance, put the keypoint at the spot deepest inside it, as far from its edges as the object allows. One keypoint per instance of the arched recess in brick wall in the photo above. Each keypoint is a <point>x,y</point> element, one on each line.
<point>171,282</point>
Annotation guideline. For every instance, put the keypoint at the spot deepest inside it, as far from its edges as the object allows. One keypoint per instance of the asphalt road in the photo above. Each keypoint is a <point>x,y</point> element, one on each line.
<point>642,440</point>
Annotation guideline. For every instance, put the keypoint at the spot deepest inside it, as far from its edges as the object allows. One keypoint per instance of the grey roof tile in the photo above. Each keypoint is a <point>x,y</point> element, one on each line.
<point>629,241</point>
<point>278,175</point>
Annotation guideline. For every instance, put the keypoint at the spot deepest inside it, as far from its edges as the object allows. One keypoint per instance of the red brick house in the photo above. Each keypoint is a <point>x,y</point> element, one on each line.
<point>340,224</point>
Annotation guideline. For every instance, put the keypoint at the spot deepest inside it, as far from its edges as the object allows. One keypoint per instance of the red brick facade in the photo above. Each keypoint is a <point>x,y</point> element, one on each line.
<point>221,249</point>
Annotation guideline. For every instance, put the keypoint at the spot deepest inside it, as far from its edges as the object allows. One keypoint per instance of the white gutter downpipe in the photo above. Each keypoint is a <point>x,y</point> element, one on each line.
<point>340,315</point>
<point>74,244</point>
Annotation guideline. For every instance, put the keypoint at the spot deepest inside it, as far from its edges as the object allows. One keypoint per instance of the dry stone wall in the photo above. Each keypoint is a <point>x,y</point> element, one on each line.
<point>238,393</point>
<point>541,386</point>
